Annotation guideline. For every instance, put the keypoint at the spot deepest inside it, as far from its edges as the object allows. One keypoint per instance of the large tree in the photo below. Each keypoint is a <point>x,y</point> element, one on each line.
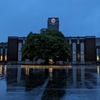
<point>48,44</point>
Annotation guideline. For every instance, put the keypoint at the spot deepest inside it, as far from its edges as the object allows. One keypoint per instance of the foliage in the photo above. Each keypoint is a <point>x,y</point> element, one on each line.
<point>47,44</point>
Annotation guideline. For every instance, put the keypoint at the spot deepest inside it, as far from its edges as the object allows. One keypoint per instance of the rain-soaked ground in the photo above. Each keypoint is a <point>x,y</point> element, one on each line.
<point>80,82</point>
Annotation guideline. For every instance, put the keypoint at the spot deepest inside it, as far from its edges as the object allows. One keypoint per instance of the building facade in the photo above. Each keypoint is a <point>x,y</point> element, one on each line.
<point>84,49</point>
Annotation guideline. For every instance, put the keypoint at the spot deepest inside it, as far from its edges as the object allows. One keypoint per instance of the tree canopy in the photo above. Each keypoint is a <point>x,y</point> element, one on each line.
<point>48,44</point>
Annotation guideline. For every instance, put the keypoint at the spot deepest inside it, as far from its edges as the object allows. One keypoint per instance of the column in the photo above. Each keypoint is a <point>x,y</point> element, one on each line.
<point>19,51</point>
<point>23,41</point>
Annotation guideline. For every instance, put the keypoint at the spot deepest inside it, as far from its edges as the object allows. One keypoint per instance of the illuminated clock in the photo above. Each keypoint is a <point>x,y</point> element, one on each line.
<point>53,20</point>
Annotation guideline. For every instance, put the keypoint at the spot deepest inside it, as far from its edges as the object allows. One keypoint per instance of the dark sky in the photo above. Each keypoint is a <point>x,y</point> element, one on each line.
<point>77,17</point>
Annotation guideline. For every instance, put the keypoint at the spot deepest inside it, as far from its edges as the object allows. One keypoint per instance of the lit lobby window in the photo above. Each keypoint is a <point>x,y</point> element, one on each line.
<point>5,58</point>
<point>98,58</point>
<point>1,58</point>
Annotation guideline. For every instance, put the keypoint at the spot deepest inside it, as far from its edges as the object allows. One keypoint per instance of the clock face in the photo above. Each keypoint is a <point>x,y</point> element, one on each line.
<point>53,20</point>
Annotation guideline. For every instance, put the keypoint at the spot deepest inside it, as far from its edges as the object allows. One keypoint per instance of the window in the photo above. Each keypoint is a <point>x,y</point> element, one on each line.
<point>82,51</point>
<point>1,56</point>
<point>19,56</point>
<point>74,51</point>
<point>19,46</point>
<point>5,57</point>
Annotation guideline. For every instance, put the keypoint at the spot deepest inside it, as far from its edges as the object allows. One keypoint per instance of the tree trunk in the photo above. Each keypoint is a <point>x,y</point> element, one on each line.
<point>46,61</point>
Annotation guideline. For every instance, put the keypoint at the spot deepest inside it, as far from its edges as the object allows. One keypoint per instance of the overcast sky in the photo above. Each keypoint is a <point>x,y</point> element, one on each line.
<point>77,17</point>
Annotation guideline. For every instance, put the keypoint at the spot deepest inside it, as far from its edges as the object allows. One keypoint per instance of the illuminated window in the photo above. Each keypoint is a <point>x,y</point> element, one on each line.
<point>1,58</point>
<point>5,58</point>
<point>78,56</point>
<point>98,58</point>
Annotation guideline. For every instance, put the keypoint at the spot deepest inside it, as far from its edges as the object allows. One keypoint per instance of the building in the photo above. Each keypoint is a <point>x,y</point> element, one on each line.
<point>14,48</point>
<point>53,23</point>
<point>3,51</point>
<point>84,49</point>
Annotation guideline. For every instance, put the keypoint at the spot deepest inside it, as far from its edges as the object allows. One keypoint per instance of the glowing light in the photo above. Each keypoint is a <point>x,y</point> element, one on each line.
<point>1,58</point>
<point>5,58</point>
<point>98,58</point>
<point>46,66</point>
<point>50,70</point>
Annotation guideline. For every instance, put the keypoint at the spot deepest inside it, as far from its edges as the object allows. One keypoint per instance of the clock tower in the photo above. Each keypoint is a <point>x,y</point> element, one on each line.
<point>53,23</point>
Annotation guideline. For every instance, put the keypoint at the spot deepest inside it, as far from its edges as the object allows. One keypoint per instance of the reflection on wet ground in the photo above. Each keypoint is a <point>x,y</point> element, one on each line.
<point>49,83</point>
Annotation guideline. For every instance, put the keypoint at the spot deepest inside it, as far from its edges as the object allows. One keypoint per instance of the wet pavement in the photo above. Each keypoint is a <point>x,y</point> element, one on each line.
<point>28,83</point>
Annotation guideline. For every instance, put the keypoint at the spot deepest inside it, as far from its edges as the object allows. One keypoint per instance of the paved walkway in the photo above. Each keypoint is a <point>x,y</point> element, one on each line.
<point>39,96</point>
